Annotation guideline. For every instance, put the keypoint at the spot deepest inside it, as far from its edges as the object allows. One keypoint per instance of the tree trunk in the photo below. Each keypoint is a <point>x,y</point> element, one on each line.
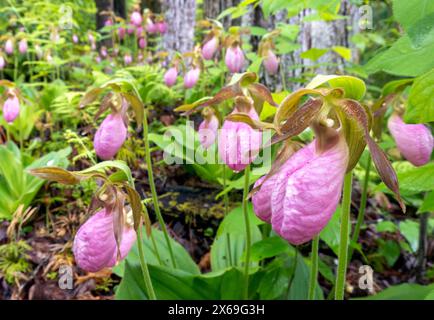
<point>181,18</point>
<point>313,34</point>
<point>103,5</point>
<point>212,9</point>
<point>120,8</point>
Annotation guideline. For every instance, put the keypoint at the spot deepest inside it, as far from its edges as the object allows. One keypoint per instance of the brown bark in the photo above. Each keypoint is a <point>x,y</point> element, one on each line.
<point>181,18</point>
<point>103,5</point>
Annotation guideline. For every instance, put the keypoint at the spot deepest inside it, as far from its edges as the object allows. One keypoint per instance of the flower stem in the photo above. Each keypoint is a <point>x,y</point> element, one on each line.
<point>362,208</point>
<point>247,225</point>
<point>344,238</point>
<point>313,268</point>
<point>153,189</point>
<point>144,267</point>
<point>226,204</point>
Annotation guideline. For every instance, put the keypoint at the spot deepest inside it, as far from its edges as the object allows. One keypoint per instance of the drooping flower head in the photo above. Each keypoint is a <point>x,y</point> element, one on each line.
<point>271,63</point>
<point>128,59</point>
<point>210,48</point>
<point>191,77</point>
<point>170,76</point>
<point>121,33</point>
<point>308,192</point>
<point>9,46</point>
<point>136,19</point>
<point>2,62</point>
<point>95,246</point>
<point>22,46</point>
<point>238,143</point>
<point>75,38</point>
<point>151,27</point>
<point>142,43</point>
<point>414,141</point>
<point>162,27</point>
<point>11,108</point>
<point>234,58</point>
<point>110,136</point>
<point>208,129</point>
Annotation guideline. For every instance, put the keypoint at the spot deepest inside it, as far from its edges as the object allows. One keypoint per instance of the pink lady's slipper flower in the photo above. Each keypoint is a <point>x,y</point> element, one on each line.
<point>131,30</point>
<point>142,43</point>
<point>208,129</point>
<point>170,76</point>
<point>128,59</point>
<point>238,143</point>
<point>271,63</point>
<point>414,141</point>
<point>9,46</point>
<point>151,27</point>
<point>22,46</point>
<point>95,245</point>
<point>121,32</point>
<point>306,192</point>
<point>234,59</point>
<point>2,62</point>
<point>139,31</point>
<point>136,18</point>
<point>11,108</point>
<point>108,22</point>
<point>162,27</point>
<point>75,38</point>
<point>210,48</point>
<point>110,136</point>
<point>191,78</point>
<point>103,52</point>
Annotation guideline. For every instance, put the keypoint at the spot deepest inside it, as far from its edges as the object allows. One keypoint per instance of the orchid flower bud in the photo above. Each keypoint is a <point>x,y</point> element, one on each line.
<point>103,52</point>
<point>9,46</point>
<point>130,30</point>
<point>95,245</point>
<point>307,191</point>
<point>210,48</point>
<point>139,32</point>
<point>128,59</point>
<point>22,46</point>
<point>75,38</point>
<point>191,78</point>
<point>414,141</point>
<point>170,76</point>
<point>208,129</point>
<point>2,62</point>
<point>136,18</point>
<point>108,22</point>
<point>162,27</point>
<point>234,59</point>
<point>142,43</point>
<point>121,32</point>
<point>238,143</point>
<point>11,109</point>
<point>110,136</point>
<point>151,27</point>
<point>271,63</point>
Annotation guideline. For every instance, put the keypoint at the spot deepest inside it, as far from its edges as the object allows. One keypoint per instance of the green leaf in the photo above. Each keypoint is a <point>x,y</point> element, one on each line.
<point>353,87</point>
<point>313,54</point>
<point>153,257</point>
<point>408,13</point>
<point>405,291</point>
<point>428,203</point>
<point>420,108</point>
<point>344,52</point>
<point>331,233</point>
<point>402,59</point>
<point>390,250</point>
<point>410,231</point>
<point>386,226</point>
<point>268,248</point>
<point>234,226</point>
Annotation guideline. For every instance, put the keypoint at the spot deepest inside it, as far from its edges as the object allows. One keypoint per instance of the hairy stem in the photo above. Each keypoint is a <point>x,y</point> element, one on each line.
<point>313,268</point>
<point>344,238</point>
<point>248,237</point>
<point>362,209</point>
<point>144,266</point>
<point>226,203</point>
<point>154,191</point>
